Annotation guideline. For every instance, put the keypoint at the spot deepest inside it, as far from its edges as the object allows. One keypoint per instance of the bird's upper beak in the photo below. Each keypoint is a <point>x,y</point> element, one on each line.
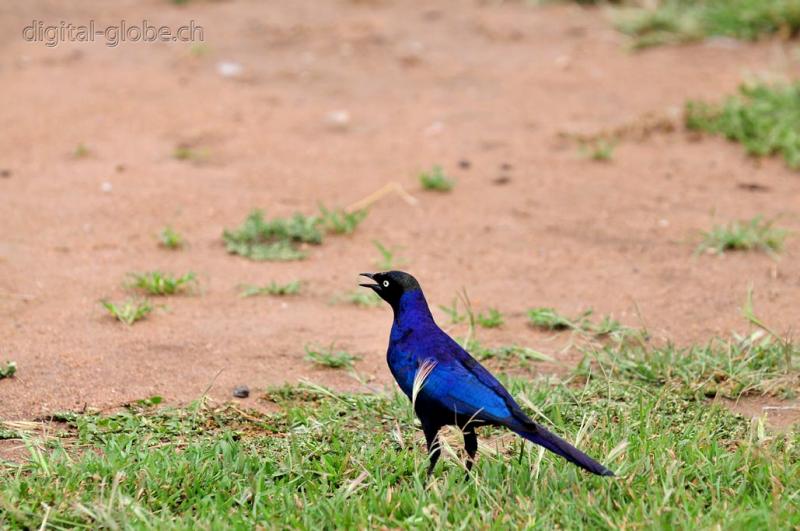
<point>375,287</point>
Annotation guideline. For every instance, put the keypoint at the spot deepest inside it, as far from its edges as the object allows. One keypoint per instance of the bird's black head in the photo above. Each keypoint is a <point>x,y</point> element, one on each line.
<point>391,285</point>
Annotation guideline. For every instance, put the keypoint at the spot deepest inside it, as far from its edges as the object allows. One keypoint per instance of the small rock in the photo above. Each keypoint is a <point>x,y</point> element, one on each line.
<point>339,119</point>
<point>5,173</point>
<point>106,186</point>
<point>503,179</point>
<point>229,69</point>
<point>464,164</point>
<point>241,391</point>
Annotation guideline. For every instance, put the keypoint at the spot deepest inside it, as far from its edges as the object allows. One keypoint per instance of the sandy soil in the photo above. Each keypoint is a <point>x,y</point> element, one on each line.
<point>424,83</point>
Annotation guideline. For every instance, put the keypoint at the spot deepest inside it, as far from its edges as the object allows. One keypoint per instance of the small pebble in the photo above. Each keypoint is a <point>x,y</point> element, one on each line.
<point>241,391</point>
<point>464,164</point>
<point>106,187</point>
<point>5,173</point>
<point>229,69</point>
<point>503,179</point>
<point>338,119</point>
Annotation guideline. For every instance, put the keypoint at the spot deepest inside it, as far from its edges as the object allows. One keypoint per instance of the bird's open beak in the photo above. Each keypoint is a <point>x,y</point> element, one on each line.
<point>374,287</point>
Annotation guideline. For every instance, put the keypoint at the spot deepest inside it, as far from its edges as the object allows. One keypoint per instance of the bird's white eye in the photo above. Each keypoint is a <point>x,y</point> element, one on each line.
<point>385,283</point>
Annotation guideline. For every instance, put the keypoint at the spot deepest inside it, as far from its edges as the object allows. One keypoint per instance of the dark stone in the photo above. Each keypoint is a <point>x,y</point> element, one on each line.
<point>241,391</point>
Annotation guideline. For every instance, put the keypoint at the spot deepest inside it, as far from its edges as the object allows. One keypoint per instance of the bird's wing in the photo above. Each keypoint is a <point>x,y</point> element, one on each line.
<point>458,383</point>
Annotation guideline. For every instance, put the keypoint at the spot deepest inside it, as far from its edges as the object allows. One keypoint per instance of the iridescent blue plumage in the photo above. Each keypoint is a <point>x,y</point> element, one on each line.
<point>457,390</point>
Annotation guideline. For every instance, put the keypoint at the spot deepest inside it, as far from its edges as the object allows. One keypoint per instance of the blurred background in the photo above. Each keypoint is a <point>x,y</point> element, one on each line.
<point>536,155</point>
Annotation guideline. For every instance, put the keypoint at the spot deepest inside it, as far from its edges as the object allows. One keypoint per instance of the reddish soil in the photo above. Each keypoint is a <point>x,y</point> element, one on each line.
<point>424,83</point>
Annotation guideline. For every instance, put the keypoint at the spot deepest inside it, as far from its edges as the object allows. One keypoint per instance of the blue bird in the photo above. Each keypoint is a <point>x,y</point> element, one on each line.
<point>446,385</point>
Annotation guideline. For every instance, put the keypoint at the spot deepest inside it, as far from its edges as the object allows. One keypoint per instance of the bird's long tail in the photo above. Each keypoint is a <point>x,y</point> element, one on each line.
<point>539,435</point>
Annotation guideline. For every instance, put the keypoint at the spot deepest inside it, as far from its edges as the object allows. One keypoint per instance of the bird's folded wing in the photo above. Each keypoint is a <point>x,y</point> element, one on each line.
<point>455,388</point>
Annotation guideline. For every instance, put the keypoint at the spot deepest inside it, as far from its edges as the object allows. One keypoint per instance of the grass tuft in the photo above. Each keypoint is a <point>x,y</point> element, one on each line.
<point>8,369</point>
<point>361,297</point>
<point>81,151</point>
<point>170,239</point>
<point>158,283</point>
<point>756,234</point>
<point>598,149</point>
<point>389,258</point>
<point>339,221</point>
<point>280,239</point>
<point>764,118</point>
<point>491,319</point>
<point>129,311</point>
<point>436,180</point>
<point>273,288</point>
<point>679,21</point>
<point>329,357</point>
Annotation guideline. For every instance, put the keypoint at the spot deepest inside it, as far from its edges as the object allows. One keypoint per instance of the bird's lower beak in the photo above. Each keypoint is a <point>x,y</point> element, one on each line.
<point>375,287</point>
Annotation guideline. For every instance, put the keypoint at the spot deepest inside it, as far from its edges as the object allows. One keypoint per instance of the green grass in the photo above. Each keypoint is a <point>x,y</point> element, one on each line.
<point>81,151</point>
<point>170,239</point>
<point>190,154</point>
<point>281,239</point>
<point>550,319</point>
<point>743,365</point>
<point>678,21</point>
<point>330,357</point>
<point>606,328</point>
<point>328,460</point>
<point>129,311</point>
<point>491,319</point>
<point>339,221</point>
<point>360,297</point>
<point>158,283</point>
<point>8,369</point>
<point>273,288</point>
<point>389,259</point>
<point>506,356</point>
<point>756,234</point>
<point>764,118</point>
<point>436,180</point>
<point>599,149</point>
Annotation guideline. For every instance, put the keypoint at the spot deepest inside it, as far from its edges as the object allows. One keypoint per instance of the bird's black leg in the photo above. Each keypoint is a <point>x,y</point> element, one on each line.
<point>470,445</point>
<point>434,448</point>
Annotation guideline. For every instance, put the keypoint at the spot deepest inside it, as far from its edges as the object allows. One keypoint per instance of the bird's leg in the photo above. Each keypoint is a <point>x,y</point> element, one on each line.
<point>470,445</point>
<point>434,448</point>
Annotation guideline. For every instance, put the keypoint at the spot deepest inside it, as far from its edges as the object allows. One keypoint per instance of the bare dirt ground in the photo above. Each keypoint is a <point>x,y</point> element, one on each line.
<point>424,83</point>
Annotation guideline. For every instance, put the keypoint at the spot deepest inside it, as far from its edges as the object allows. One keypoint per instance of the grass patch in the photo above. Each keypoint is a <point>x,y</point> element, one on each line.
<point>491,319</point>
<point>606,328</point>
<point>280,239</point>
<point>190,154</point>
<point>679,21</point>
<point>339,221</point>
<point>389,259</point>
<point>733,368</point>
<point>330,460</point>
<point>330,357</point>
<point>273,288</point>
<point>756,234</point>
<point>158,283</point>
<point>598,149</point>
<point>81,151</point>
<point>8,369</point>
<point>170,239</point>
<point>508,355</point>
<point>129,311</point>
<point>764,118</point>
<point>436,180</point>
<point>362,298</point>
<point>550,319</point>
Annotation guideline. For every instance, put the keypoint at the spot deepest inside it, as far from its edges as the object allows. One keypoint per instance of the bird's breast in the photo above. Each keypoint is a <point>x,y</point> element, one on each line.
<point>403,365</point>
